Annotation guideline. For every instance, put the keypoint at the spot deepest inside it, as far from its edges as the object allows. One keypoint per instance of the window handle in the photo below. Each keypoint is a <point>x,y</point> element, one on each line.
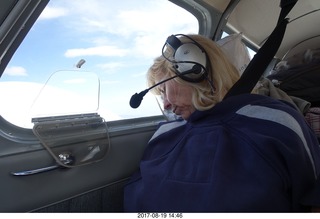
<point>65,158</point>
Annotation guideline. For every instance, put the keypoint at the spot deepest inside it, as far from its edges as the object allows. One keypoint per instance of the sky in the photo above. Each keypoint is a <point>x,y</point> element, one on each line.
<point>103,32</point>
<point>118,41</point>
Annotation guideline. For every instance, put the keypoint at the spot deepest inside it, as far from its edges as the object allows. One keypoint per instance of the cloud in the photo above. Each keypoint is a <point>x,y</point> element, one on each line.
<point>110,65</point>
<point>50,12</point>
<point>96,51</point>
<point>140,31</point>
<point>75,81</point>
<point>110,82</point>
<point>50,101</point>
<point>15,71</point>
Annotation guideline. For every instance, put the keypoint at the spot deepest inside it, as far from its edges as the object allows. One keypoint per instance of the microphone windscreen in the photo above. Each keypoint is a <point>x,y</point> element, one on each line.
<point>135,100</point>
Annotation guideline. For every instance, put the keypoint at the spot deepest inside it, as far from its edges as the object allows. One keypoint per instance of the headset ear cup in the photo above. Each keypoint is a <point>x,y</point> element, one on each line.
<point>190,57</point>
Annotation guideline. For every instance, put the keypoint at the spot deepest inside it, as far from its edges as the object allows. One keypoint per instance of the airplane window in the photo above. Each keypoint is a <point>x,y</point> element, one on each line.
<point>113,42</point>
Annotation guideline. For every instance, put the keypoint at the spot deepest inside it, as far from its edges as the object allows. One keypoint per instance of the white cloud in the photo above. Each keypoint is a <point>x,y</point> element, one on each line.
<point>50,12</point>
<point>110,82</point>
<point>15,71</point>
<point>142,32</point>
<point>96,51</point>
<point>75,81</point>
<point>110,65</point>
<point>52,101</point>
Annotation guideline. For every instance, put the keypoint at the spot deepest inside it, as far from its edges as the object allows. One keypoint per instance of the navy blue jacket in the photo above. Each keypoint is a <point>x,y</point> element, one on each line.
<point>249,153</point>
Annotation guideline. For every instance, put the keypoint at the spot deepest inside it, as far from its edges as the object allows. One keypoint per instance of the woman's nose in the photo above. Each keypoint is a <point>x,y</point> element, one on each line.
<point>166,104</point>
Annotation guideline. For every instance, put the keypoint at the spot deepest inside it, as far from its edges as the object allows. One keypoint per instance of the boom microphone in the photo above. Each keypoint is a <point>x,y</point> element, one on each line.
<point>136,99</point>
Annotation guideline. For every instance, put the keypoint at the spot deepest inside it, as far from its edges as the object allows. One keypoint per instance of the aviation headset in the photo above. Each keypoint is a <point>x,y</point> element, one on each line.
<point>189,59</point>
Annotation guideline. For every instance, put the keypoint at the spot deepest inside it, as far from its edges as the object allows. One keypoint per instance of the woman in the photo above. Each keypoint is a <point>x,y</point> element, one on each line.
<point>247,153</point>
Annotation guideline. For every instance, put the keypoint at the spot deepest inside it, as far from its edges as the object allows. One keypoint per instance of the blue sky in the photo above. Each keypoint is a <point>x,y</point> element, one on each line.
<point>106,33</point>
<point>118,40</point>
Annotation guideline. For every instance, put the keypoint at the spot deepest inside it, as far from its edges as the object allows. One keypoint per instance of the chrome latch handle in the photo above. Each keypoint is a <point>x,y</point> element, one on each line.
<point>65,158</point>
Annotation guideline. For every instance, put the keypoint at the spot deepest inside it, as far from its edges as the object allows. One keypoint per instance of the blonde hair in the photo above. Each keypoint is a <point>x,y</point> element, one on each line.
<point>220,71</point>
